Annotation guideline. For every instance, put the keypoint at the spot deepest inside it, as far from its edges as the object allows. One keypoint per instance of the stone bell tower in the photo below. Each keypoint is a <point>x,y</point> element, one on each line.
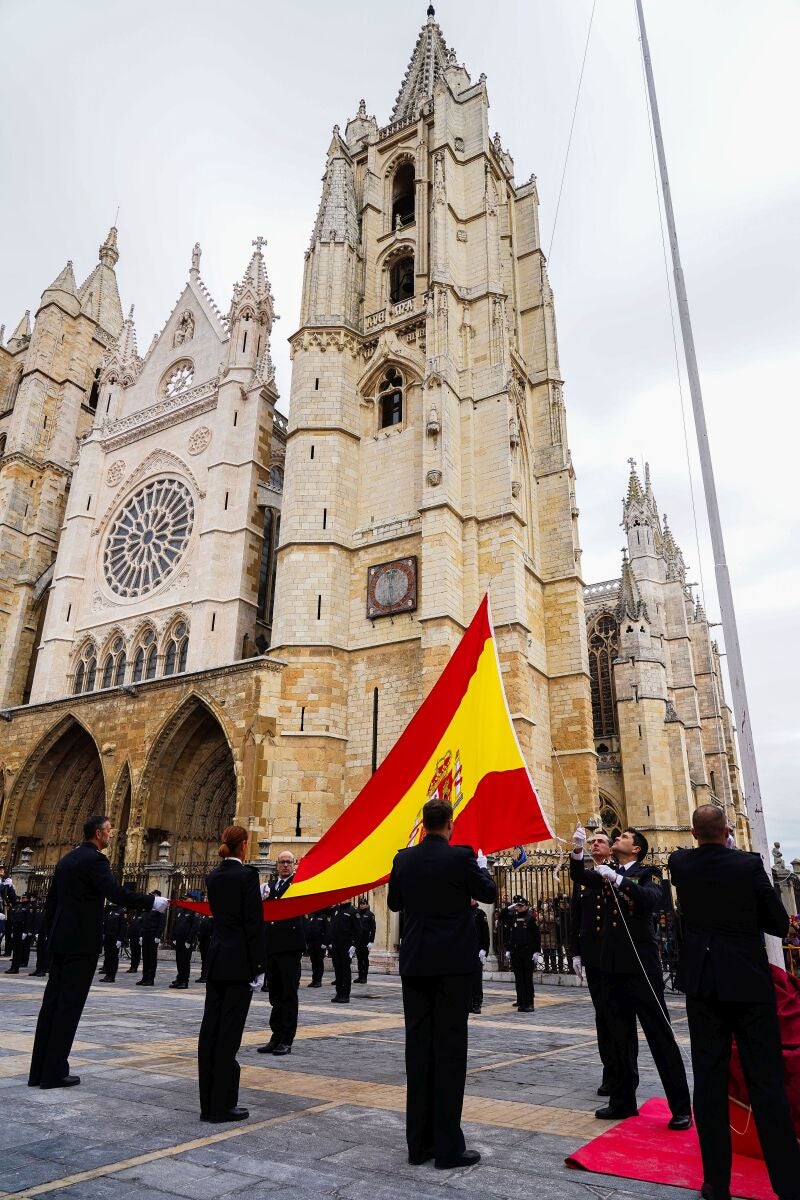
<point>427,455</point>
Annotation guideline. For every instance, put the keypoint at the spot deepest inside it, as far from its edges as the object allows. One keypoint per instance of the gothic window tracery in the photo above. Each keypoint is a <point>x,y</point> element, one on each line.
<point>177,649</point>
<point>276,478</point>
<point>11,394</point>
<point>179,379</point>
<point>148,538</point>
<point>114,665</point>
<point>144,661</point>
<point>86,669</point>
<point>390,399</point>
<point>603,649</point>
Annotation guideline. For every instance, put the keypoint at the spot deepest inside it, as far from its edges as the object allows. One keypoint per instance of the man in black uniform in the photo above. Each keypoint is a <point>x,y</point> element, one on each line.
<point>631,983</point>
<point>316,930</point>
<point>727,902</point>
<point>152,929</point>
<point>432,883</point>
<point>588,917</point>
<point>203,942</point>
<point>81,881</point>
<point>285,945</point>
<point>482,930</point>
<point>22,920</point>
<point>522,940</point>
<point>184,935</point>
<point>115,932</point>
<point>8,898</point>
<point>344,932</point>
<point>366,921</point>
<point>40,968</point>
<point>135,923</point>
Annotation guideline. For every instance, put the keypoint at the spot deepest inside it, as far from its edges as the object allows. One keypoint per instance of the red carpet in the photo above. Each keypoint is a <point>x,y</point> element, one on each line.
<point>643,1148</point>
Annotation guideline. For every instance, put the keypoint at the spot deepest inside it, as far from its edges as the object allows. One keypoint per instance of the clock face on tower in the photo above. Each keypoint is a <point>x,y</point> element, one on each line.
<point>392,588</point>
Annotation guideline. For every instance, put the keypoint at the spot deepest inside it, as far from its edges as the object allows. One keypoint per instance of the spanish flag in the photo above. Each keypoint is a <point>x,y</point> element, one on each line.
<point>461,746</point>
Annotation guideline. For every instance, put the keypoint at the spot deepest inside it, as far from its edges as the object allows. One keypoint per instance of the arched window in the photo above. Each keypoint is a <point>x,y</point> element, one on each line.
<point>114,665</point>
<point>144,661</point>
<point>11,394</point>
<point>603,648</point>
<point>86,670</point>
<point>177,649</point>
<point>268,566</point>
<point>403,196</point>
<point>401,279</point>
<point>276,478</point>
<point>390,399</point>
<point>94,391</point>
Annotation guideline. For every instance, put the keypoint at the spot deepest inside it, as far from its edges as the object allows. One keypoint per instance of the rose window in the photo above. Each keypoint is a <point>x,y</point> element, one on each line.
<point>148,538</point>
<point>179,379</point>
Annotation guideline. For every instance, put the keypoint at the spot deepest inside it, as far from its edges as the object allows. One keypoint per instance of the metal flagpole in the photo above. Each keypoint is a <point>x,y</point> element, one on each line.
<point>741,709</point>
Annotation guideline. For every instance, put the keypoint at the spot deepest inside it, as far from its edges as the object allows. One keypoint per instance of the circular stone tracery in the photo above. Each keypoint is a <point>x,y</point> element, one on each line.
<point>148,538</point>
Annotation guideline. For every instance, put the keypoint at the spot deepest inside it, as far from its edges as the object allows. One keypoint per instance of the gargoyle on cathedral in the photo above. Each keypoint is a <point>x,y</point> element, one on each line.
<point>208,612</point>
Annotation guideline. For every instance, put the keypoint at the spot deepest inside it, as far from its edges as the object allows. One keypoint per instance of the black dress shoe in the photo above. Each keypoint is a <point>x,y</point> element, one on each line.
<point>11,971</point>
<point>423,1156</point>
<point>680,1121</point>
<point>282,1048</point>
<point>106,979</point>
<point>145,983</point>
<point>468,1159</point>
<point>132,971</point>
<point>269,1048</point>
<point>615,1114</point>
<point>604,1090</point>
<point>476,1010</point>
<point>233,1114</point>
<point>178,986</point>
<point>711,1193</point>
<point>200,979</point>
<point>313,984</point>
<point>67,1081</point>
<point>340,999</point>
<point>525,1008</point>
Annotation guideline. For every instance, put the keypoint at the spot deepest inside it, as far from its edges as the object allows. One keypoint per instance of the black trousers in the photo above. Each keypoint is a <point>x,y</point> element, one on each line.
<point>605,1043</point>
<point>62,1004</point>
<point>183,961</point>
<point>203,947</point>
<point>221,1030</point>
<point>629,998</point>
<point>20,951</point>
<point>477,987</point>
<point>283,980</point>
<point>436,1010</point>
<point>342,971</point>
<point>316,954</point>
<point>42,955</point>
<point>362,958</point>
<point>110,958</point>
<point>522,966</point>
<point>149,956</point>
<point>712,1024</point>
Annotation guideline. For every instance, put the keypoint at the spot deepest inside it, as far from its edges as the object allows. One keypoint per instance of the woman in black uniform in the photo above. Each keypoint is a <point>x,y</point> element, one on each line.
<point>236,957</point>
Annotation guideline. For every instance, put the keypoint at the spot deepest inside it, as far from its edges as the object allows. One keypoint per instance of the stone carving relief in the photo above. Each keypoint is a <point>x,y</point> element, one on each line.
<point>200,440</point>
<point>184,331</point>
<point>115,472</point>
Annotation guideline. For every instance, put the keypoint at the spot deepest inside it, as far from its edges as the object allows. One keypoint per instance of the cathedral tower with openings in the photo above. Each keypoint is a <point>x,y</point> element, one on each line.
<point>427,457</point>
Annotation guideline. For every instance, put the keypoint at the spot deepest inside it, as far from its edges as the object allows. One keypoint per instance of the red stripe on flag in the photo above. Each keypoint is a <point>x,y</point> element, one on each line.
<point>407,757</point>
<point>502,813</point>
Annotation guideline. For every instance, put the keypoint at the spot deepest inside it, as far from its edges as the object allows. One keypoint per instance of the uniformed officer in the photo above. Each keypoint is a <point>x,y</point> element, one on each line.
<point>40,967</point>
<point>115,933</point>
<point>204,933</point>
<point>286,943</point>
<point>152,929</point>
<point>631,981</point>
<point>184,936</point>
<point>588,917</point>
<point>345,936</point>
<point>317,940</point>
<point>366,921</point>
<point>522,941</point>
<point>482,929</point>
<point>135,922</point>
<point>22,921</point>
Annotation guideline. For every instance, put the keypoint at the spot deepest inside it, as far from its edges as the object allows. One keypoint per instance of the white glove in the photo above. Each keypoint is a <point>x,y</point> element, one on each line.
<point>508,956</point>
<point>577,967</point>
<point>578,841</point>
<point>160,903</point>
<point>482,955</point>
<point>257,983</point>
<point>483,861</point>
<point>351,951</point>
<point>156,941</point>
<point>538,961</point>
<point>369,945</point>
<point>25,936</point>
<point>265,891</point>
<point>119,945</point>
<point>609,874</point>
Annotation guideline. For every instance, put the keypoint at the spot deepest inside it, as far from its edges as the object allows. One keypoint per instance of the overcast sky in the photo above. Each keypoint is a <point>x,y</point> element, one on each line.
<point>210,122</point>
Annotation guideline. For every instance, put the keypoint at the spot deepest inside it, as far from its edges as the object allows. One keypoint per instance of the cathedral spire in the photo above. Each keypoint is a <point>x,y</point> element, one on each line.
<point>22,334</point>
<point>630,605</point>
<point>676,567</point>
<point>255,277</point>
<point>109,254</point>
<point>65,281</point>
<point>430,59</point>
<point>337,217</point>
<point>99,294</point>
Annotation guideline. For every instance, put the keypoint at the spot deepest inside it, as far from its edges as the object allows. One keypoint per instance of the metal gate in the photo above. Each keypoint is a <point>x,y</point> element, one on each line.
<point>39,883</point>
<point>187,877</point>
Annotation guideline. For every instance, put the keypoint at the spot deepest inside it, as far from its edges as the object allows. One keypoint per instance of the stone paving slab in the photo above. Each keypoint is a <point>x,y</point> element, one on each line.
<point>326,1121</point>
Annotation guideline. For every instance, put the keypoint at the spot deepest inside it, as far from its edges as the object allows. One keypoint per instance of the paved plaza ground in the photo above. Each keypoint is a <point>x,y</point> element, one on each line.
<point>326,1121</point>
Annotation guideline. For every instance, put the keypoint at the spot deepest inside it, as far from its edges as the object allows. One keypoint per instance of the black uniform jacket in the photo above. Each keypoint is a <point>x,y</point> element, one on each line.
<point>432,884</point>
<point>521,932</point>
<point>726,903</point>
<point>344,927</point>
<point>82,880</point>
<point>481,928</point>
<point>316,928</point>
<point>588,910</point>
<point>628,916</point>
<point>284,937</point>
<point>237,950</point>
